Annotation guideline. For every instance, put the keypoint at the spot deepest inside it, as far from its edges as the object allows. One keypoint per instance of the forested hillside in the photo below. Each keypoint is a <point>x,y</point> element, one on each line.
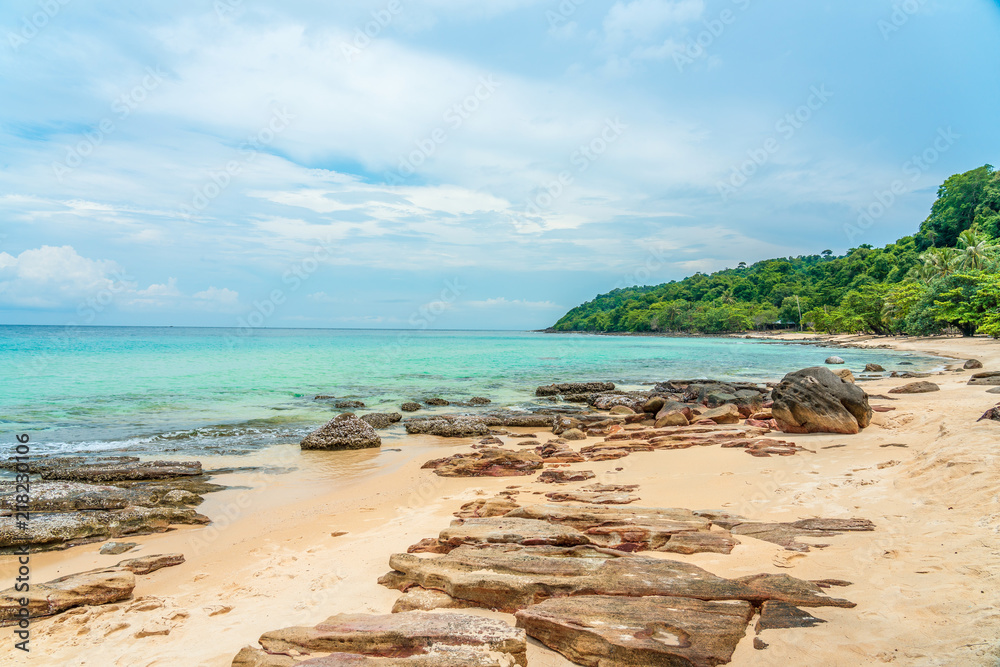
<point>942,278</point>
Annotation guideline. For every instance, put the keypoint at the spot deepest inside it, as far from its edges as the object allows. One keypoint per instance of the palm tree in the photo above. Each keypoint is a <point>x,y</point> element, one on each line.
<point>938,261</point>
<point>974,253</point>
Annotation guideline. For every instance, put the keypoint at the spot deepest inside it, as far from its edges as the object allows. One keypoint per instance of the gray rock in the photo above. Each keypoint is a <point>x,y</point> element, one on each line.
<point>574,388</point>
<point>379,420</point>
<point>972,364</point>
<point>56,531</point>
<point>815,400</point>
<point>987,378</point>
<point>454,427</point>
<point>915,388</point>
<point>106,469</point>
<point>343,432</point>
<point>834,360</point>
<point>115,548</point>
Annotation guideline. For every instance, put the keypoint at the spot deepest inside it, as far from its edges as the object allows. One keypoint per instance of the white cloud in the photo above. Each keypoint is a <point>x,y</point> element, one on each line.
<point>642,20</point>
<point>504,302</point>
<point>222,300</point>
<point>52,277</point>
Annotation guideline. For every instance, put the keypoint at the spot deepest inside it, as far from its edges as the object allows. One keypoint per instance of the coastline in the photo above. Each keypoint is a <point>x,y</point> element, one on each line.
<point>270,554</point>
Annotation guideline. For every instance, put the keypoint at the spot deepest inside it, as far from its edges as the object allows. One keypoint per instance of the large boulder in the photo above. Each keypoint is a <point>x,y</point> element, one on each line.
<point>574,388</point>
<point>972,364</point>
<point>342,432</point>
<point>610,630</point>
<point>815,400</point>
<point>724,414</point>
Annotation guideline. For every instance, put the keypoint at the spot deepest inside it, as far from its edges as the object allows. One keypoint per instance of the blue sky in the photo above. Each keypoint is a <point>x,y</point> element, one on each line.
<point>458,164</point>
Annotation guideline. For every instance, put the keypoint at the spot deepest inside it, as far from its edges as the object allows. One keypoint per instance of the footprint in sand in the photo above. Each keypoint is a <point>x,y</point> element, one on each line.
<point>786,560</point>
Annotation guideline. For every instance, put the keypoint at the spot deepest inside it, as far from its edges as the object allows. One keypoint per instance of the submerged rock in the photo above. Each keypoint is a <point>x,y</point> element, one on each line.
<point>414,639</point>
<point>343,432</point>
<point>410,406</point>
<point>437,402</point>
<point>479,400</point>
<point>574,388</point>
<point>349,405</point>
<point>632,632</point>
<point>379,420</point>
<point>815,400</point>
<point>106,469</point>
<point>116,548</point>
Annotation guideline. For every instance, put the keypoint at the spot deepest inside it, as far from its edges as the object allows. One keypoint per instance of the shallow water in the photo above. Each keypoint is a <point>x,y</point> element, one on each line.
<point>147,390</point>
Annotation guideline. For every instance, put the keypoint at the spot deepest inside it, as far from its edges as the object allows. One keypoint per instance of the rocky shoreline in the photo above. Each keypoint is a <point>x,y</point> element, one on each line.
<point>567,564</point>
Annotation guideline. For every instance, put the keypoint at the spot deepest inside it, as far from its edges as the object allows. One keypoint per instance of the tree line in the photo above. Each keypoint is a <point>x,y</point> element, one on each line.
<point>943,278</point>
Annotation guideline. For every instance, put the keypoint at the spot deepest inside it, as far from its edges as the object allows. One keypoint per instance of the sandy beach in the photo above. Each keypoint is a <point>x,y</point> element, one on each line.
<point>292,548</point>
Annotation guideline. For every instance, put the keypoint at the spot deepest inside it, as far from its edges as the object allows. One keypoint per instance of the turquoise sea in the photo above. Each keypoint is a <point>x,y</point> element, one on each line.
<point>147,390</point>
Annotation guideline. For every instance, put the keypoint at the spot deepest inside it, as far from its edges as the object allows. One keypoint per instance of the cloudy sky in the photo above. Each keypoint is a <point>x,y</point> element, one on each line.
<point>461,163</point>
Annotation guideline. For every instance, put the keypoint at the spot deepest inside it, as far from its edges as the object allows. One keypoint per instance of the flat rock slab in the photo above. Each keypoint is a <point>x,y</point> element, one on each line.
<point>501,530</point>
<point>147,564</point>
<point>496,506</point>
<point>512,577</point>
<point>487,463</point>
<point>565,476</point>
<point>107,469</point>
<point>602,631</point>
<point>779,615</point>
<point>440,657</point>
<point>591,498</point>
<point>95,587</point>
<point>116,548</point>
<point>408,638</point>
<point>786,534</point>
<point>700,542</point>
<point>915,388</point>
<point>55,531</point>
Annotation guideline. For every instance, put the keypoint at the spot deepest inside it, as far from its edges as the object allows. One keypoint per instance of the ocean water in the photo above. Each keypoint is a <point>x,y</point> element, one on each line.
<point>147,390</point>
